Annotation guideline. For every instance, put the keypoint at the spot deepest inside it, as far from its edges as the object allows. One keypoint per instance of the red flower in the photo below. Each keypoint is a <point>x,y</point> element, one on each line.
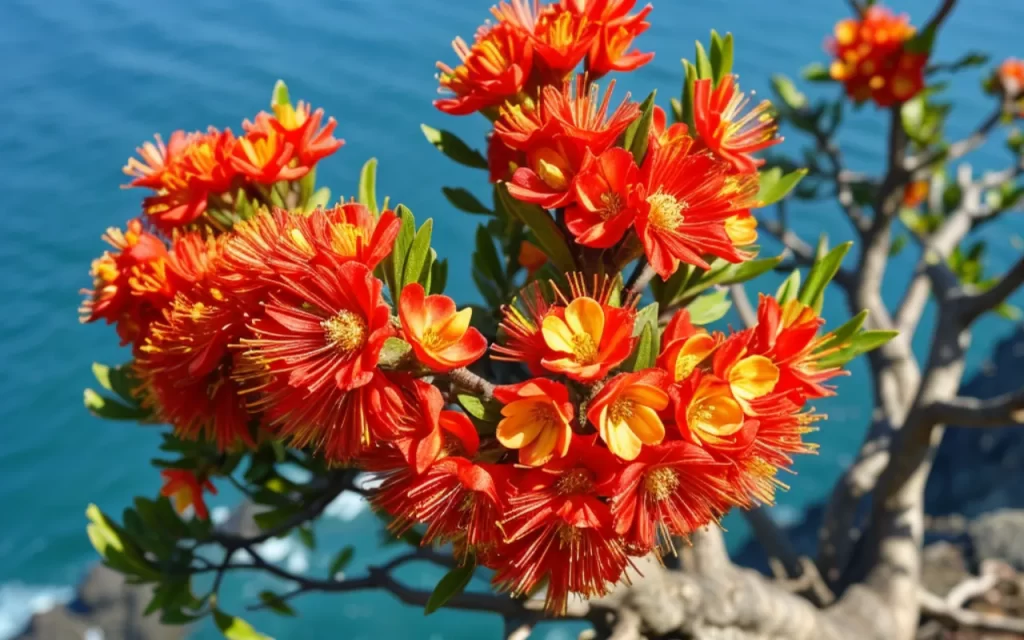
<point>683,205</point>
<point>156,161</point>
<point>537,420</point>
<point>1010,76</point>
<point>587,339</point>
<point>560,37</point>
<point>186,490</point>
<point>520,329</point>
<point>708,415</point>
<point>725,130</point>
<point>626,410</point>
<point>493,70</point>
<point>871,58</point>
<point>556,134</point>
<point>116,297</point>
<point>531,258</point>
<point>670,490</point>
<point>502,160</point>
<point>601,215</point>
<point>421,430</point>
<point>264,155</point>
<point>610,49</point>
<point>300,127</point>
<point>558,528</point>
<point>684,347</point>
<point>440,337</point>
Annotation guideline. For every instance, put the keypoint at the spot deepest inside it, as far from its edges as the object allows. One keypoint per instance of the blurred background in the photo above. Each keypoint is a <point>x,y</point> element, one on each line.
<point>86,81</point>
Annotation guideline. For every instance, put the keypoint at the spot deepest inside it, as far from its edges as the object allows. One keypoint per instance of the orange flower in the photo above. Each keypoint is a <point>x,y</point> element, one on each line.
<point>670,490</point>
<point>531,258</point>
<point>556,135</point>
<point>618,30</point>
<point>709,416</point>
<point>587,338</point>
<point>749,376</point>
<point>557,528</point>
<point>741,229</point>
<point>264,155</point>
<point>299,126</point>
<point>626,412</point>
<point>138,256</point>
<point>422,428</point>
<point>157,161</point>
<point>1011,77</point>
<point>684,347</point>
<point>683,206</point>
<point>537,416</point>
<point>560,37</point>
<point>493,70</point>
<point>520,338</point>
<point>601,215</point>
<point>440,337</point>
<point>502,160</point>
<point>725,130</point>
<point>186,490</point>
<point>871,59</point>
<point>915,193</point>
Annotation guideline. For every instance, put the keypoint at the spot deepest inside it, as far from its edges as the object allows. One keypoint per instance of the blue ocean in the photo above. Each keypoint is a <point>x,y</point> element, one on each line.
<point>84,83</point>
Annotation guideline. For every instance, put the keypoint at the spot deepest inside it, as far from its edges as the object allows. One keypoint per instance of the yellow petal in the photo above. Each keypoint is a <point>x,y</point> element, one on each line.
<point>584,315</point>
<point>520,407</point>
<point>695,349</point>
<point>717,415</point>
<point>621,440</point>
<point>557,334</point>
<point>646,425</point>
<point>454,327</point>
<point>647,396</point>
<point>541,449</point>
<point>518,431</point>
<point>742,231</point>
<point>753,377</point>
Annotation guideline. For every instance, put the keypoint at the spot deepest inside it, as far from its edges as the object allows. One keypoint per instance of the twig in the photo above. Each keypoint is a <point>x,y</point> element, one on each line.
<point>917,165</point>
<point>471,382</point>
<point>1005,409</point>
<point>642,279</point>
<point>934,606</point>
<point>744,308</point>
<point>991,298</point>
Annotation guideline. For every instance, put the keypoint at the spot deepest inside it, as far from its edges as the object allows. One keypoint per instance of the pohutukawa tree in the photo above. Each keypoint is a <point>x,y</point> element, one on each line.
<point>574,433</point>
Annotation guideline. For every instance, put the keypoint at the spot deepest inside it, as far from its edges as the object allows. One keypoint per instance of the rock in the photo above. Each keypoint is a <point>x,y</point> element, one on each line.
<point>105,608</point>
<point>999,536</point>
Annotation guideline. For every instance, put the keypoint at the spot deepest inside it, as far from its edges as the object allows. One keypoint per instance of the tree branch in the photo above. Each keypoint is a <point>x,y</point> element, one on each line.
<point>919,165</point>
<point>471,382</point>
<point>744,307</point>
<point>1002,410</point>
<point>979,303</point>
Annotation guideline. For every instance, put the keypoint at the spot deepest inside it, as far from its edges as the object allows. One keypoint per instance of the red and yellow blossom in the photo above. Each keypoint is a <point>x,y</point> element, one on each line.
<point>669,490</point>
<point>300,127</point>
<point>709,416</point>
<point>601,216</point>
<point>265,156</point>
<point>138,256</point>
<point>556,134</point>
<point>915,193</point>
<point>684,347</point>
<point>494,69</point>
<point>683,204</point>
<point>422,428</point>
<point>558,528</point>
<point>618,29</point>
<point>626,412</point>
<point>749,376</point>
<point>872,60</point>
<point>587,338</point>
<point>537,420</point>
<point>186,490</point>
<point>560,37</point>
<point>439,335</point>
<point>520,337</point>
<point>1009,78</point>
<point>741,229</point>
<point>724,128</point>
<point>502,160</point>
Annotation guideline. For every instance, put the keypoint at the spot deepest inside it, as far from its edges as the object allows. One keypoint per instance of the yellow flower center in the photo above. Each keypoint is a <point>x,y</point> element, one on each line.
<point>573,482</point>
<point>621,410</point>
<point>715,416</point>
<point>552,168</point>
<point>685,364</point>
<point>661,483</point>
<point>346,238</point>
<point>290,118</point>
<point>568,536</point>
<point>584,349</point>
<point>666,211</point>
<point>611,205</point>
<point>346,331</point>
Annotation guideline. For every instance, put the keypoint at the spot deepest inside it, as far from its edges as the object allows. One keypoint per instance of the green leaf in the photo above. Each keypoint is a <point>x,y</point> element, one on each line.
<point>307,537</point>
<point>912,115</point>
<point>452,584</point>
<point>463,200</point>
<point>922,42</point>
<point>368,186</point>
<point>438,276</point>
<point>483,410</point>
<point>775,185</point>
<point>860,343</point>
<point>723,273</point>
<point>703,63</point>
<point>686,101</point>
<point>648,316</point>
<point>898,244</point>
<point>341,561</point>
<point>110,409</point>
<point>486,258</point>
<point>275,603</point>
<point>452,146</point>
<point>318,200</point>
<point>118,379</point>
<point>816,72</point>
<point>677,109</point>
<point>645,352</point>
<point>788,93</point>
<point>234,628</point>
<point>789,288</point>
<point>709,307</point>
<point>403,241</point>
<point>721,55</point>
<point>280,95</point>
<point>968,60</point>
<point>812,293</point>
<point>549,237</point>
<point>637,133</point>
<point>844,332</point>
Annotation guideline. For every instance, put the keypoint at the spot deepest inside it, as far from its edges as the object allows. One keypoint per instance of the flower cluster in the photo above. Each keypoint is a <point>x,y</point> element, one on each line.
<point>1009,78</point>
<point>200,172</point>
<point>872,59</point>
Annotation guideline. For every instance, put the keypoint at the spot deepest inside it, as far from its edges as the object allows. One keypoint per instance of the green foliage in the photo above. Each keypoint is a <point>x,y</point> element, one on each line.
<point>775,185</point>
<point>452,584</point>
<point>721,55</point>
<point>709,307</point>
<point>539,222</point>
<point>280,95</point>
<point>636,137</point>
<point>234,628</point>
<point>816,72</point>
<point>689,282</point>
<point>341,560</point>
<point>368,186</point>
<point>788,93</point>
<point>858,344</point>
<point>412,259</point>
<point>825,268</point>
<point>645,352</point>
<point>465,201</point>
<point>789,289</point>
<point>452,146</point>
